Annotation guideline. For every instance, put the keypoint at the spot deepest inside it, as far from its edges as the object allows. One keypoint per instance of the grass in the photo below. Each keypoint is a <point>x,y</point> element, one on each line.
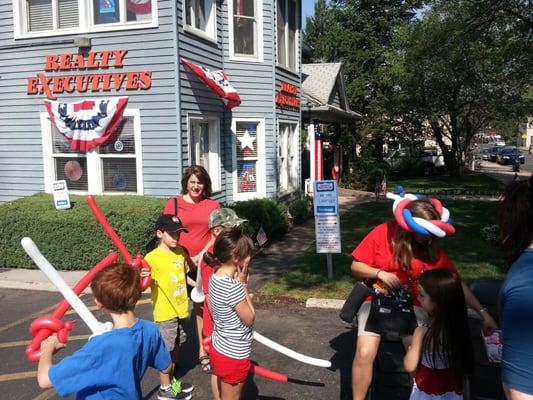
<point>474,257</point>
<point>472,182</point>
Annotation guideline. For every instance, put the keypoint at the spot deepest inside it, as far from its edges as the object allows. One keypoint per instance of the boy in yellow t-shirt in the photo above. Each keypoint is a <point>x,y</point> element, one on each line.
<point>169,297</point>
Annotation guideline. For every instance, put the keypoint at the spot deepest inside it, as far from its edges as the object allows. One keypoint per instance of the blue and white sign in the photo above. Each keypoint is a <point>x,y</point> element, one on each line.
<point>327,224</point>
<point>61,199</point>
<point>325,198</point>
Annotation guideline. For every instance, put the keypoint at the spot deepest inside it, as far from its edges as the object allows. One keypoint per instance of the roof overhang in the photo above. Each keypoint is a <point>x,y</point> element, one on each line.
<point>328,113</point>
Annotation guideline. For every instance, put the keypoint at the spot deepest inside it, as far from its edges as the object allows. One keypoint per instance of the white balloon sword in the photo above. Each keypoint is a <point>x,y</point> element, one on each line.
<point>96,327</point>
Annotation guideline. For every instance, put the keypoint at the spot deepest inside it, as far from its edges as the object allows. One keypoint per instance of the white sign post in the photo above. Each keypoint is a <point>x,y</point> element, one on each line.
<point>61,199</point>
<point>327,225</point>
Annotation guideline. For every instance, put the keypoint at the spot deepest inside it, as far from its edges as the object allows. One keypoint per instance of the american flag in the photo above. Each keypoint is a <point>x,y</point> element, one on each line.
<point>319,170</point>
<point>261,236</point>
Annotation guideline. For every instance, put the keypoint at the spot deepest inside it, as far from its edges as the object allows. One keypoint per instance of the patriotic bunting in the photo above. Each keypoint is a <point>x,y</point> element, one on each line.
<point>87,123</point>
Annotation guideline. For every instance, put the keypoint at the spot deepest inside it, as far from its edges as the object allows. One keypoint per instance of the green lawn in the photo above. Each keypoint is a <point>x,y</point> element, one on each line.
<point>473,182</point>
<point>474,257</point>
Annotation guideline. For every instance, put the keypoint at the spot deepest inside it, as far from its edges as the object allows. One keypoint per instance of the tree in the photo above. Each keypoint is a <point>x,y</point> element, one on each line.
<point>460,76</point>
<point>359,33</point>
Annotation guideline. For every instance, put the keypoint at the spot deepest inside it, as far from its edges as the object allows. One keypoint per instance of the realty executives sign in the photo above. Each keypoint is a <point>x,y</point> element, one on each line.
<point>81,83</point>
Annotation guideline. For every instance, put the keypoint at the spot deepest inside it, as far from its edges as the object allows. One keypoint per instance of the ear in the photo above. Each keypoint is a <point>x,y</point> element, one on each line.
<point>98,304</point>
<point>159,234</point>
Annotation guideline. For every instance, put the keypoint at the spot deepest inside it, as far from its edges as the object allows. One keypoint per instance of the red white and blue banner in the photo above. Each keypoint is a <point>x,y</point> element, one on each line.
<point>88,123</point>
<point>218,82</point>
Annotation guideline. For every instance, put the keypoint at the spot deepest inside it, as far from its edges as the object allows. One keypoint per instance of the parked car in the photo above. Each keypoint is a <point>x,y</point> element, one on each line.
<point>508,155</point>
<point>493,155</point>
<point>427,160</point>
<point>485,154</point>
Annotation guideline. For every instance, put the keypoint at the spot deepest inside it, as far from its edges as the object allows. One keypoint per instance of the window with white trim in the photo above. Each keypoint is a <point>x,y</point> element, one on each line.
<point>246,26</point>
<point>200,17</point>
<point>249,171</point>
<point>114,167</point>
<point>40,18</point>
<point>287,33</point>
<point>288,151</point>
<point>204,147</point>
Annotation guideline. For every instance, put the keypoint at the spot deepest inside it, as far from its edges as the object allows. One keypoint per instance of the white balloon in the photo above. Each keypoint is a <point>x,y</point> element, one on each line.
<point>197,292</point>
<point>433,229</point>
<point>291,353</point>
<point>96,327</point>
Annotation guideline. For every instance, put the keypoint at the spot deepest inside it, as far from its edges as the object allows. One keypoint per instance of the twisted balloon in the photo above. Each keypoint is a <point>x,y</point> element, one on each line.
<point>437,227</point>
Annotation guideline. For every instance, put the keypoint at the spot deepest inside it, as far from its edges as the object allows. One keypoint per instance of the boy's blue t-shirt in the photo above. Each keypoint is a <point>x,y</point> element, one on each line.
<point>516,310</point>
<point>111,366</point>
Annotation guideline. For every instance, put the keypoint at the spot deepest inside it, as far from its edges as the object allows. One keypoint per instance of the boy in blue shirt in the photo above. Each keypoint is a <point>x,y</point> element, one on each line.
<point>111,365</point>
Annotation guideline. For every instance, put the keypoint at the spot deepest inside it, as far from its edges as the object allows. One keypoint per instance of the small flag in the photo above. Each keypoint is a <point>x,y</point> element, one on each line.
<point>261,236</point>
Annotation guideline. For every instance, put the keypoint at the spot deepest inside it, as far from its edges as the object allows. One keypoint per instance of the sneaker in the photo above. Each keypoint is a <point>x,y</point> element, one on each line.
<point>165,394</point>
<point>184,387</point>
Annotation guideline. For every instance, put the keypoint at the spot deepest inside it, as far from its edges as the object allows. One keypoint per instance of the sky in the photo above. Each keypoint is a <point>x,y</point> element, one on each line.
<point>308,9</point>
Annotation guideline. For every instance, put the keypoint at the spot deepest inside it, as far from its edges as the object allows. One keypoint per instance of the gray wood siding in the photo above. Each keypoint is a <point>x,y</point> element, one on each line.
<point>152,49</point>
<point>255,84</point>
<point>291,115</point>
<point>195,97</point>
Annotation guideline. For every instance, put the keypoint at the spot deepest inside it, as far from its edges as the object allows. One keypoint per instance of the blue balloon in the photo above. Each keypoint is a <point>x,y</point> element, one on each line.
<point>413,225</point>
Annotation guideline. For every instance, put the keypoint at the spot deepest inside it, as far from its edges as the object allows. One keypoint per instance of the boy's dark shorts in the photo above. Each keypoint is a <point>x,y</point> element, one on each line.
<point>172,332</point>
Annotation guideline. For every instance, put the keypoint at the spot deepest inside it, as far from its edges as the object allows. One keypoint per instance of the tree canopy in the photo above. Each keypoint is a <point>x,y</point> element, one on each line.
<point>449,70</point>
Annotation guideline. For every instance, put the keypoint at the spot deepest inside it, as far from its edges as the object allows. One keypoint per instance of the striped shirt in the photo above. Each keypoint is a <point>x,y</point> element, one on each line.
<point>230,337</point>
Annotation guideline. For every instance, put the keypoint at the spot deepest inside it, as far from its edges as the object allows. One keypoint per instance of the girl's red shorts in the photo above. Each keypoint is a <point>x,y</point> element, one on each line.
<point>230,370</point>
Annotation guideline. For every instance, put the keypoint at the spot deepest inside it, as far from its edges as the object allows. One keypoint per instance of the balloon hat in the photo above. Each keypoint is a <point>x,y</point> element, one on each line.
<point>437,227</point>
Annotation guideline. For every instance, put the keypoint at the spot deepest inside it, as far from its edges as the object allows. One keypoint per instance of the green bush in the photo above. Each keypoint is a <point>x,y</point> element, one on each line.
<point>73,239</point>
<point>299,209</point>
<point>266,212</point>
<point>363,173</point>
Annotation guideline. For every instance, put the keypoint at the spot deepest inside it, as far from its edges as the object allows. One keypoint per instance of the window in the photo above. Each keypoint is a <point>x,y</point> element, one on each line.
<point>287,29</point>
<point>204,147</point>
<point>246,29</point>
<point>200,18</point>
<point>34,18</point>
<point>114,167</point>
<point>288,151</point>
<point>249,175</point>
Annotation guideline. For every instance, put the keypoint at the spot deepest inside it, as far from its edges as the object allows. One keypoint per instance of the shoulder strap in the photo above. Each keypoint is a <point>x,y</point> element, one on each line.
<point>176,206</point>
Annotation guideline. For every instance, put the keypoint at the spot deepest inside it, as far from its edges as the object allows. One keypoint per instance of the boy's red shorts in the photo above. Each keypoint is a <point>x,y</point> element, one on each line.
<point>230,370</point>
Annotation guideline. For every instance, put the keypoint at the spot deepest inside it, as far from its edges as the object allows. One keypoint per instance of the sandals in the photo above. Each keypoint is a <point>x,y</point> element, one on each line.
<point>205,363</point>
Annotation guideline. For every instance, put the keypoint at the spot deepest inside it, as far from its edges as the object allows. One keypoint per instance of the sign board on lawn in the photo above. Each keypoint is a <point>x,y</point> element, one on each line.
<point>61,199</point>
<point>327,225</point>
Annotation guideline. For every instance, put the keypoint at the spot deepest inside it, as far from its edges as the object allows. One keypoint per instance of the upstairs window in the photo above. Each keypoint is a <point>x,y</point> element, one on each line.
<point>38,18</point>
<point>246,26</point>
<point>200,18</point>
<point>287,33</point>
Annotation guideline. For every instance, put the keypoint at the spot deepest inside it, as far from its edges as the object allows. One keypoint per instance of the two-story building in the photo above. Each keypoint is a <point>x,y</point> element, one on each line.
<point>78,52</point>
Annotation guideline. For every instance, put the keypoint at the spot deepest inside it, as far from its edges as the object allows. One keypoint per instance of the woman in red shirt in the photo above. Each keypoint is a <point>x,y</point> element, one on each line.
<point>194,207</point>
<point>397,257</point>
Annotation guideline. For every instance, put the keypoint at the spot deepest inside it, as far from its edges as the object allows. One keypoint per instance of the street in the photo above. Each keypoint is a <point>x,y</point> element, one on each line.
<point>314,332</point>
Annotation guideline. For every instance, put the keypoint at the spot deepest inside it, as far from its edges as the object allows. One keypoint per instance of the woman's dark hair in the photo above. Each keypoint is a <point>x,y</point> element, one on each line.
<point>448,334</point>
<point>201,174</point>
<point>516,218</point>
<point>230,244</point>
<point>403,245</point>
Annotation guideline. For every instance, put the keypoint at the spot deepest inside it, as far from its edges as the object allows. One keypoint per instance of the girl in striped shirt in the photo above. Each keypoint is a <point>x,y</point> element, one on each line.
<point>233,312</point>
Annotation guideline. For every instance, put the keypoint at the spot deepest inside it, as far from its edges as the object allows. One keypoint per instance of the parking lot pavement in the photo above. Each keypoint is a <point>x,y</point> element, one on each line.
<point>314,332</point>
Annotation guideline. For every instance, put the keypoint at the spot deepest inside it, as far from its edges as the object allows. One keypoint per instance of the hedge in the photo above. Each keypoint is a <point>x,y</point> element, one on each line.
<point>73,239</point>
